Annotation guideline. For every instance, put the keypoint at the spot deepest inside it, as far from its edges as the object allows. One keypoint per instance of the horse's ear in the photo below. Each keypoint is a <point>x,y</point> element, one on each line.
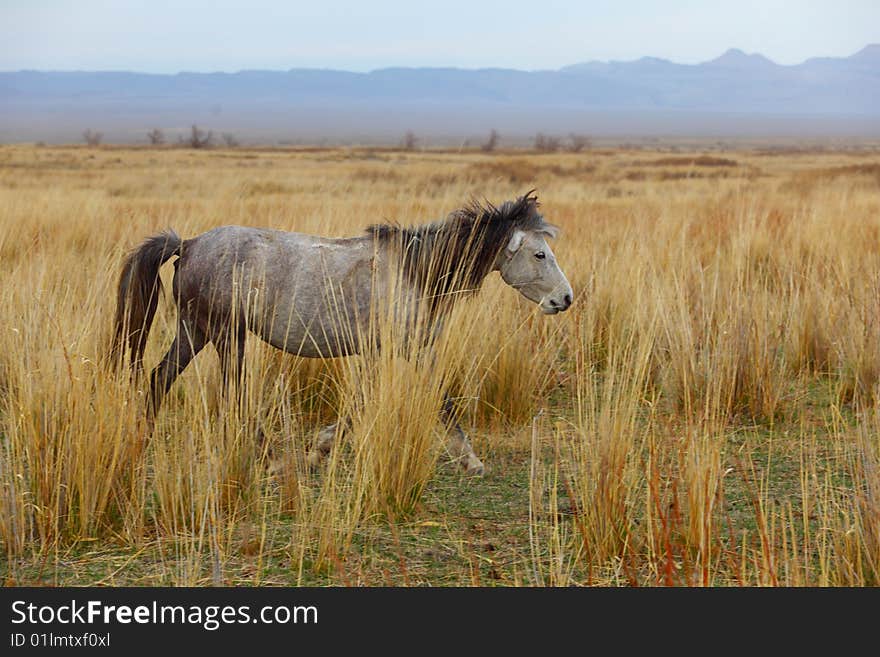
<point>516,241</point>
<point>550,231</point>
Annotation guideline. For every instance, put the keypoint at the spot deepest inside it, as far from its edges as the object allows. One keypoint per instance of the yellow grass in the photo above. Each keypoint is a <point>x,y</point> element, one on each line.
<point>705,414</point>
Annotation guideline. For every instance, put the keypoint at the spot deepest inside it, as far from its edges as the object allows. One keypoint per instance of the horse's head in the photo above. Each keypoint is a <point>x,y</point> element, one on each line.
<point>527,264</point>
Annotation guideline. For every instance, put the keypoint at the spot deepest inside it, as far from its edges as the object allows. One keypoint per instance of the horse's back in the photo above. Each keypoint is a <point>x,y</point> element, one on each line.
<point>302,293</point>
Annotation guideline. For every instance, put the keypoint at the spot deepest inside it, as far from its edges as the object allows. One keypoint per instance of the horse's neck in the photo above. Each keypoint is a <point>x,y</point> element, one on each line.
<point>452,272</point>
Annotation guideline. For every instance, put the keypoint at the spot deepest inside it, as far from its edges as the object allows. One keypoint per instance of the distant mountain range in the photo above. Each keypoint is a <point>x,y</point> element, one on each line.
<point>737,82</point>
<point>734,90</point>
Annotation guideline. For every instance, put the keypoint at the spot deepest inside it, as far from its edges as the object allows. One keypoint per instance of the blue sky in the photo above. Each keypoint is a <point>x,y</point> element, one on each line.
<point>165,37</point>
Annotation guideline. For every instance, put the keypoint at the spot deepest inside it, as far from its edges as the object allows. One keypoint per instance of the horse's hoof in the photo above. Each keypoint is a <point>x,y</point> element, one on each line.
<point>315,459</point>
<point>474,467</point>
<point>274,467</point>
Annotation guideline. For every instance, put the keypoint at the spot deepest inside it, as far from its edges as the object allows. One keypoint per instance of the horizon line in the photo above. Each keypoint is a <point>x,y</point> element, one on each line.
<point>729,51</point>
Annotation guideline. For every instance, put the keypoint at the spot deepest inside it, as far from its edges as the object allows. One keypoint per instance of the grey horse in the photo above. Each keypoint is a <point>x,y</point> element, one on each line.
<point>316,296</point>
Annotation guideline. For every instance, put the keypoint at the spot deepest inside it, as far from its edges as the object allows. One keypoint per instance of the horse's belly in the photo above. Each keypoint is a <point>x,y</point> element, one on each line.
<point>308,346</point>
<point>308,335</point>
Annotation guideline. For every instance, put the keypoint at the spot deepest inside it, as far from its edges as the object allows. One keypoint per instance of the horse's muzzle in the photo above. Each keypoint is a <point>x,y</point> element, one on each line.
<point>557,305</point>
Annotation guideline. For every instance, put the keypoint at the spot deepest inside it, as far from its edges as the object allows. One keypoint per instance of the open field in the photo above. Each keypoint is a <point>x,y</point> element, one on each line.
<point>706,413</point>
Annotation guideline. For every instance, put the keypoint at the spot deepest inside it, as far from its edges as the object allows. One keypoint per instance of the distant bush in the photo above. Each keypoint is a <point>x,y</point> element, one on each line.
<point>491,143</point>
<point>198,138</point>
<point>93,138</point>
<point>578,143</point>
<point>547,143</point>
<point>410,141</point>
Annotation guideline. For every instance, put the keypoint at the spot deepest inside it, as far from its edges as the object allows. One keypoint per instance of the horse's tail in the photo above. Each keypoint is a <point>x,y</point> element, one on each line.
<point>138,296</point>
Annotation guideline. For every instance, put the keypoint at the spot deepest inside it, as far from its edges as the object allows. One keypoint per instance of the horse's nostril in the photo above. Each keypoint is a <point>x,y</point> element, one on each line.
<point>567,300</point>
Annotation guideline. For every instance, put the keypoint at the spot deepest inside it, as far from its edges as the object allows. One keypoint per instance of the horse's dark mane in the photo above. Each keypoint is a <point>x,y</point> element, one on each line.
<point>455,254</point>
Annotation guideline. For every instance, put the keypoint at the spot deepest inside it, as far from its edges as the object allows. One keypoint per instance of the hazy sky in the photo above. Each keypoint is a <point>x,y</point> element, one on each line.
<point>220,35</point>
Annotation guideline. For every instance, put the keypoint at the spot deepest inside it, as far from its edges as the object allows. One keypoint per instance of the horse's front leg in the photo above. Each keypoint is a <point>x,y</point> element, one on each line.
<point>459,445</point>
<point>325,439</point>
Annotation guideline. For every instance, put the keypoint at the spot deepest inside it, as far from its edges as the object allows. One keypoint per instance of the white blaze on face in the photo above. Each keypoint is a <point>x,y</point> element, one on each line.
<point>529,265</point>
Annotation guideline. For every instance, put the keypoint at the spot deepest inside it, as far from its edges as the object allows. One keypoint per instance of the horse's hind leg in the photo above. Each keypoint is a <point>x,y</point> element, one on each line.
<point>188,342</point>
<point>459,445</point>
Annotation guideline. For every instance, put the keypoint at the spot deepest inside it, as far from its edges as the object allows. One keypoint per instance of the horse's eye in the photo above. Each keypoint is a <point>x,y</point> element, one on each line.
<point>540,255</point>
